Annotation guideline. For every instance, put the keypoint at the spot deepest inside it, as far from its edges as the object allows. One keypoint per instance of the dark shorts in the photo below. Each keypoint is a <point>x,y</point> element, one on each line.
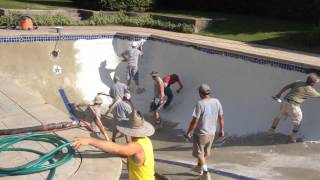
<point>132,73</point>
<point>202,145</point>
<point>155,106</point>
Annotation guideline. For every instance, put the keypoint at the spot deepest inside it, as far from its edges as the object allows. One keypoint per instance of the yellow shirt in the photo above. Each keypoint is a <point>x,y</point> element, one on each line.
<point>146,170</point>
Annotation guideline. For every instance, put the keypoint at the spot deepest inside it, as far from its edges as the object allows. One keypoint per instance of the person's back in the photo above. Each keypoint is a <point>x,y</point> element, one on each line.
<point>117,90</point>
<point>146,170</point>
<point>300,91</point>
<point>170,79</point>
<point>207,111</point>
<point>133,56</point>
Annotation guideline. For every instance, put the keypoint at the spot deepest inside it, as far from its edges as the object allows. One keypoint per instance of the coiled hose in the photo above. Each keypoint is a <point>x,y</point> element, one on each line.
<point>46,161</point>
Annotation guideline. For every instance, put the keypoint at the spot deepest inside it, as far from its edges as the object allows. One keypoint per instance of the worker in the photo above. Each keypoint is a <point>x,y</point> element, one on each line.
<point>139,152</point>
<point>290,106</point>
<point>206,114</point>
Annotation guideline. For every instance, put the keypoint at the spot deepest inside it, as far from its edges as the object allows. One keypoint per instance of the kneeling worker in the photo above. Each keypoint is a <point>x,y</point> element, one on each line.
<point>168,80</point>
<point>139,152</point>
<point>299,91</point>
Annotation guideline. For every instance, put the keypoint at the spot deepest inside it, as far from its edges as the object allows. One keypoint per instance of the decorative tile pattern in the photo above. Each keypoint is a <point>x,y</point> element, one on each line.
<point>248,58</point>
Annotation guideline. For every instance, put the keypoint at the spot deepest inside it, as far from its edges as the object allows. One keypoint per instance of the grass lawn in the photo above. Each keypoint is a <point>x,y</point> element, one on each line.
<point>253,29</point>
<point>36,4</point>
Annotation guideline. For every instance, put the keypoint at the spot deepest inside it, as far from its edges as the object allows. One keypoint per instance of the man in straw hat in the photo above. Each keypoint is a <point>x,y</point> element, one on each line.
<point>159,98</point>
<point>290,106</point>
<point>131,55</point>
<point>205,116</point>
<point>139,152</point>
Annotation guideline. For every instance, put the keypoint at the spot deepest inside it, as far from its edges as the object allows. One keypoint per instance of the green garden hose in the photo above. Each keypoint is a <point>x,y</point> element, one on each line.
<point>46,161</point>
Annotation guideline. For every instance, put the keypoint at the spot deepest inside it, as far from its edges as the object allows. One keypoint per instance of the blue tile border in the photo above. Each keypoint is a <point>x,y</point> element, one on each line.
<point>248,58</point>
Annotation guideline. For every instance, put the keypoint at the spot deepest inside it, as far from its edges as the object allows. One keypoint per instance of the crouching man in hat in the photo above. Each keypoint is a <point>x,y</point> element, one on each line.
<point>139,151</point>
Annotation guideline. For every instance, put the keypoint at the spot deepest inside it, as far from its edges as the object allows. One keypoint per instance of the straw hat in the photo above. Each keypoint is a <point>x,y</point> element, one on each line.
<point>136,126</point>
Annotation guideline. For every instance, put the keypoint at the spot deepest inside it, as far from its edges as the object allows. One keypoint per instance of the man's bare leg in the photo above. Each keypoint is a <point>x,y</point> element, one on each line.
<point>156,117</point>
<point>114,135</point>
<point>128,83</point>
<point>139,89</point>
<point>275,122</point>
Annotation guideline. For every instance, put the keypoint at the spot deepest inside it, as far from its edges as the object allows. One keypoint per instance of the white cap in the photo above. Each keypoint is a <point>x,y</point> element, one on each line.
<point>127,96</point>
<point>134,44</point>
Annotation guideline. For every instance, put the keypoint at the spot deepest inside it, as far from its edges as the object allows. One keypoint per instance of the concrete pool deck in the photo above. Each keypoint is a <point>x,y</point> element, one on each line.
<point>21,107</point>
<point>254,157</point>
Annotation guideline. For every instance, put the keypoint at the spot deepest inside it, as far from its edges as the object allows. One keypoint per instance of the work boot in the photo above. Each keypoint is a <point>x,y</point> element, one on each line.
<point>271,131</point>
<point>197,169</point>
<point>205,176</point>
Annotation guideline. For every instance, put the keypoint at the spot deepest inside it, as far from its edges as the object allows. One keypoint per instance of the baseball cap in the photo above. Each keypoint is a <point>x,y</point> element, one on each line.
<point>98,100</point>
<point>204,89</point>
<point>154,73</point>
<point>133,44</point>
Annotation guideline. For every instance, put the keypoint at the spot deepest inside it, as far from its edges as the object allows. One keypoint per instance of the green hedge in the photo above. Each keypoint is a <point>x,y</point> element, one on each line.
<point>101,19</point>
<point>126,5</point>
<point>122,19</point>
<point>116,5</point>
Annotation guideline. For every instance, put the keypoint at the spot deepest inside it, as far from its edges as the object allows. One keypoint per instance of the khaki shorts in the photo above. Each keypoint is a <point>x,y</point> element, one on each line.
<point>292,110</point>
<point>202,145</point>
<point>132,73</point>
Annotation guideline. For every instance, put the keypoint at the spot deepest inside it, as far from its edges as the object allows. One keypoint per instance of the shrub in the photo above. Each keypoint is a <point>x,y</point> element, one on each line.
<point>122,19</point>
<point>126,5</point>
<point>8,20</point>
<point>52,20</point>
<point>44,20</point>
<point>101,19</point>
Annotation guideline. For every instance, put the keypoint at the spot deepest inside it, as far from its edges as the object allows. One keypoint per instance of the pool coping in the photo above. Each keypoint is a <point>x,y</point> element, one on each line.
<point>311,61</point>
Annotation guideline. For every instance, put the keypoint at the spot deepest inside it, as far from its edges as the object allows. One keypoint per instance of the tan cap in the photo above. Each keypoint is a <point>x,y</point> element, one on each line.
<point>98,100</point>
<point>204,89</point>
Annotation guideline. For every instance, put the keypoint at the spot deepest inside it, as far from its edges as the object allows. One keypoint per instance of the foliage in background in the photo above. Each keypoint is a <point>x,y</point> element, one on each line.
<point>126,5</point>
<point>116,5</point>
<point>101,19</point>
<point>303,10</point>
<point>121,19</point>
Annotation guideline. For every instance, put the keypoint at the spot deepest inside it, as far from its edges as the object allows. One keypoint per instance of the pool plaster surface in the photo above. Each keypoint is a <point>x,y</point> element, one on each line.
<point>272,158</point>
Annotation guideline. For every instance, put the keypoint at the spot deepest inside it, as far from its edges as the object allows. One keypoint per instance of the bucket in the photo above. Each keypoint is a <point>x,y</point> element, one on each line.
<point>26,23</point>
